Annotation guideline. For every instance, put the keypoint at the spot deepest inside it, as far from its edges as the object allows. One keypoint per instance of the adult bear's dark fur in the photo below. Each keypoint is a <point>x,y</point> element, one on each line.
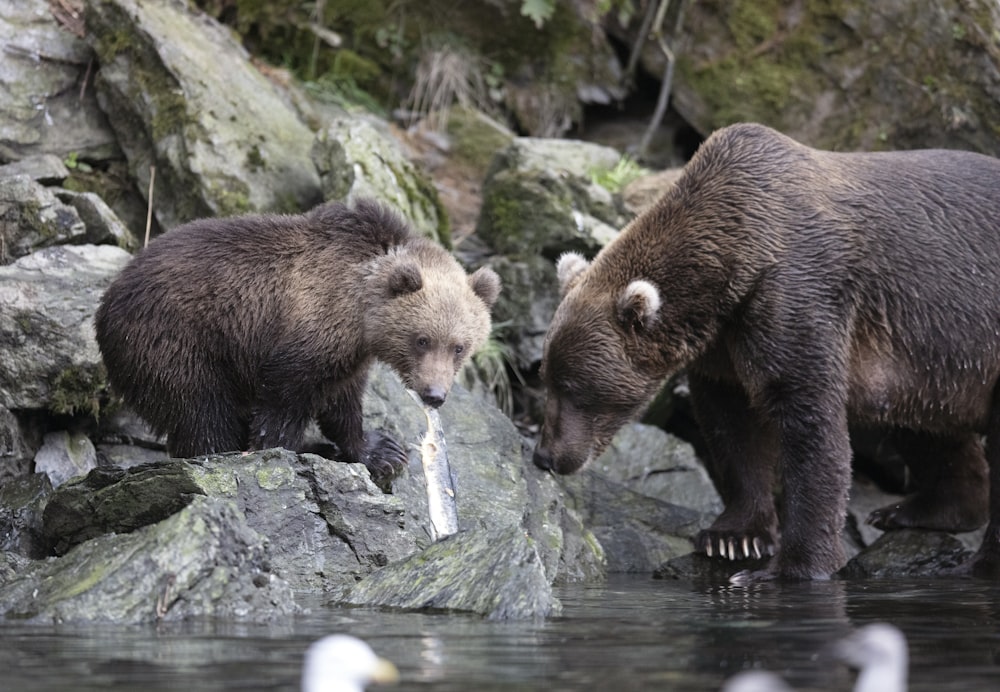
<point>229,334</point>
<point>803,290</point>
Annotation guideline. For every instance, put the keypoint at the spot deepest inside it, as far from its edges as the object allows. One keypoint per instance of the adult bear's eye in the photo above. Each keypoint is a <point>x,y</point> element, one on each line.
<point>459,349</point>
<point>423,341</point>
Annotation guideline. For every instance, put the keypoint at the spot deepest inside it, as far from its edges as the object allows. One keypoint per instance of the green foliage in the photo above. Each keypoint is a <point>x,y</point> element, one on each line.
<point>615,178</point>
<point>493,363</point>
<point>538,11</point>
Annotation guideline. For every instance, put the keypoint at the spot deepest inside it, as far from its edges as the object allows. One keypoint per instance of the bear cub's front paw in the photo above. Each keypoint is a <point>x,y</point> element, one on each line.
<point>384,457</point>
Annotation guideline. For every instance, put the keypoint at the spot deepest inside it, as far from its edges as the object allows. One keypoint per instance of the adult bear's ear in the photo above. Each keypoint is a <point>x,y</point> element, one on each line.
<point>569,268</point>
<point>485,283</point>
<point>404,278</point>
<point>639,305</point>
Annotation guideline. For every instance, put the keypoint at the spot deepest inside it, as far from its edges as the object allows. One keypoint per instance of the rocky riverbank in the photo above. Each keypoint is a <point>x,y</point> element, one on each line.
<point>98,525</point>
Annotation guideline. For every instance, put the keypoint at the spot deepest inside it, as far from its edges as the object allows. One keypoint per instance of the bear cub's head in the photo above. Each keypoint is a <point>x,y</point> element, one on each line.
<point>598,363</point>
<point>426,315</point>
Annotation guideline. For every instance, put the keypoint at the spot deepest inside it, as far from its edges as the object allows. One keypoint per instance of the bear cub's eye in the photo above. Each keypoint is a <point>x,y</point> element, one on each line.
<point>459,348</point>
<point>423,341</point>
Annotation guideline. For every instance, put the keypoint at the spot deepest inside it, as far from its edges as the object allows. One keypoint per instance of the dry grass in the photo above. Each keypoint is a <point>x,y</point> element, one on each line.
<point>444,77</point>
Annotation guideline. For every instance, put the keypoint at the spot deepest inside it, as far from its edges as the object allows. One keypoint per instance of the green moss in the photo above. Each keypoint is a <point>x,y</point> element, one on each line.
<point>78,389</point>
<point>752,21</point>
<point>475,140</point>
<point>274,477</point>
<point>231,197</point>
<point>217,481</point>
<point>110,44</point>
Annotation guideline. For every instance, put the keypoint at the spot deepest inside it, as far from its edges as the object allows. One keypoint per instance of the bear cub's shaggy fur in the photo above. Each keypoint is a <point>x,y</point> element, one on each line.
<point>232,334</point>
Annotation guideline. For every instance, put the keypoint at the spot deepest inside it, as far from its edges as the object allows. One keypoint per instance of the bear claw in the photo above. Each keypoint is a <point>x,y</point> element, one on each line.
<point>384,457</point>
<point>735,547</point>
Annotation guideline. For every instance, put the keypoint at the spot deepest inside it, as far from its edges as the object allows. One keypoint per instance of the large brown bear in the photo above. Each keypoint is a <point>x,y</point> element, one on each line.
<point>232,334</point>
<point>803,290</point>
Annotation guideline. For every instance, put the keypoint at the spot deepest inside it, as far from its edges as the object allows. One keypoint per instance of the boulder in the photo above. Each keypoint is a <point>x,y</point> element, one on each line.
<point>637,532</point>
<point>489,571</point>
<point>539,197</point>
<point>652,462</point>
<point>847,76</point>
<point>328,525</point>
<point>64,455</point>
<point>49,358</point>
<point>355,159</point>
<point>47,169</point>
<point>32,217</point>
<point>526,304</point>
<point>183,96</point>
<point>907,553</point>
<point>202,561</point>
<point>45,105</point>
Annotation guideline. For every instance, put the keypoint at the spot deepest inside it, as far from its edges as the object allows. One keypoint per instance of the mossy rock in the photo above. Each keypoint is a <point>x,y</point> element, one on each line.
<point>843,75</point>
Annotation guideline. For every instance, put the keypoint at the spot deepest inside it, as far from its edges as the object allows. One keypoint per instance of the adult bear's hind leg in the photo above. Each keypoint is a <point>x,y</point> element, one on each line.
<point>987,560</point>
<point>952,484</point>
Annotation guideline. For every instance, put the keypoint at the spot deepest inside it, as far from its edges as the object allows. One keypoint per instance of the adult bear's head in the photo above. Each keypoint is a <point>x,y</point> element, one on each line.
<point>601,363</point>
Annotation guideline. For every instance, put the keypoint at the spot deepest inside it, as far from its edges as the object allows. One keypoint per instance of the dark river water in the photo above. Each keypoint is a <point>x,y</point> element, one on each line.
<point>631,633</point>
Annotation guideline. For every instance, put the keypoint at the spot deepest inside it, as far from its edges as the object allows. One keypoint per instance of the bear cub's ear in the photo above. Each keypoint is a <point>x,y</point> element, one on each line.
<point>569,268</point>
<point>404,278</point>
<point>485,283</point>
<point>639,305</point>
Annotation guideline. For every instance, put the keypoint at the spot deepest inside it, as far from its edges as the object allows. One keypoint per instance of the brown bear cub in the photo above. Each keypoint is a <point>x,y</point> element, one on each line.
<point>803,290</point>
<point>232,334</point>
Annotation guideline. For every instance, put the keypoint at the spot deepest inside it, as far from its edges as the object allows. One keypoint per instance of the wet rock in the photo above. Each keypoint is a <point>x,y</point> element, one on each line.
<point>907,553</point>
<point>326,521</point>
<point>114,500</point>
<point>182,95</point>
<point>355,159</point>
<point>44,107</point>
<point>526,304</point>
<point>32,217</point>
<point>484,452</point>
<point>204,561</point>
<point>49,358</point>
<point>22,501</point>
<point>637,532</point>
<point>865,497</point>
<point>64,456</point>
<point>569,550</point>
<point>652,462</point>
<point>12,446</point>
<point>539,198</point>
<point>492,572</point>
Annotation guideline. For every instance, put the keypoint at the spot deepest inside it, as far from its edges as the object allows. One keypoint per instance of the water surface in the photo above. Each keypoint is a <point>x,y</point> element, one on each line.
<point>631,633</point>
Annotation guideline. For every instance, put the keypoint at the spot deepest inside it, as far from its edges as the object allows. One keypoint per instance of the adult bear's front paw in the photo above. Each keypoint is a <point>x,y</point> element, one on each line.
<point>384,457</point>
<point>740,535</point>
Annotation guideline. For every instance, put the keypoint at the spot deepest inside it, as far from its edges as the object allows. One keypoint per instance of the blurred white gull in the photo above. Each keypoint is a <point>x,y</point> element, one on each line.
<point>755,681</point>
<point>342,663</point>
<point>878,651</point>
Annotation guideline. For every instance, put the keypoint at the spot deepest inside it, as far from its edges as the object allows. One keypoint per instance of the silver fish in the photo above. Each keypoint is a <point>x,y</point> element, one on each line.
<point>441,505</point>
